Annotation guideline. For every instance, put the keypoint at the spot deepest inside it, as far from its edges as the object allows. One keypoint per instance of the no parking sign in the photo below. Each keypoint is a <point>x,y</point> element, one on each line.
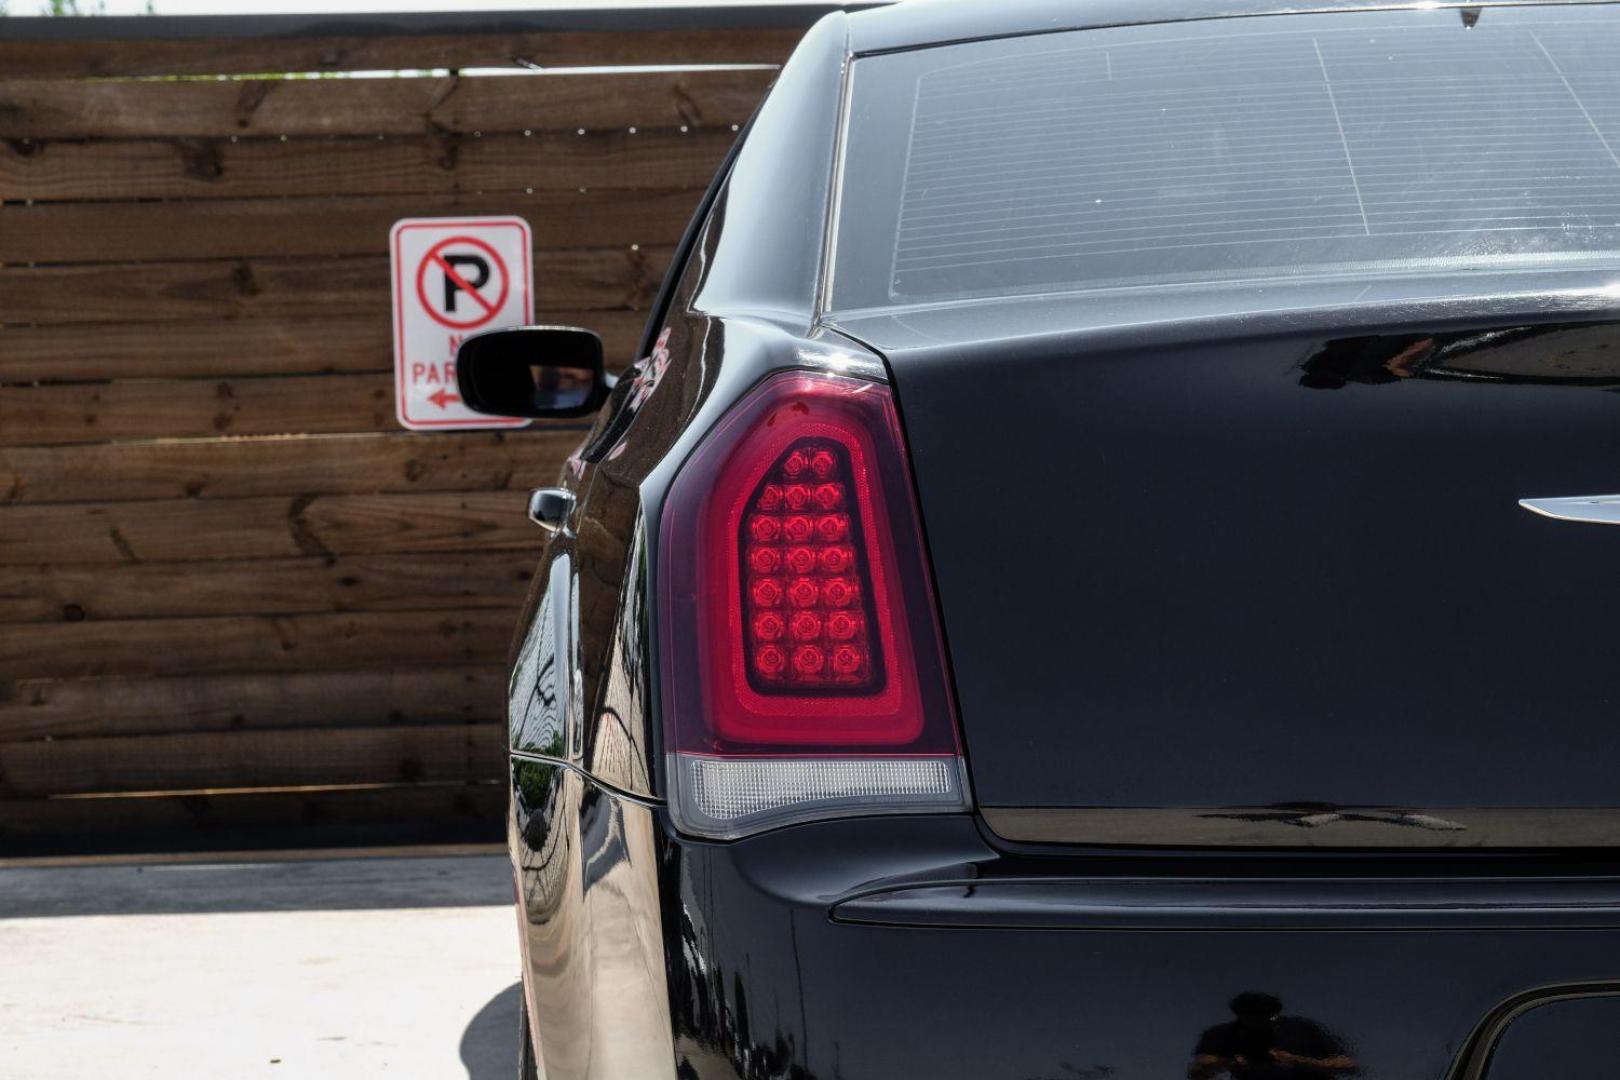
<point>452,277</point>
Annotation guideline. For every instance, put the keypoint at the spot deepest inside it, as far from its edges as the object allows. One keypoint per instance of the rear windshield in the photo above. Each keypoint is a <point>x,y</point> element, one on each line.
<point>1233,149</point>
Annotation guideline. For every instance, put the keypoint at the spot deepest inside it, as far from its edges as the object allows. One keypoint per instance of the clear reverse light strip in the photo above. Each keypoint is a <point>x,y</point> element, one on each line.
<point>729,797</point>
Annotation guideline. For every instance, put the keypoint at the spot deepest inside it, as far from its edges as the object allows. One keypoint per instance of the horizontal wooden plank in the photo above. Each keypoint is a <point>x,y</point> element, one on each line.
<point>269,345</point>
<point>244,228</point>
<point>189,408</point>
<point>582,278</point>
<point>400,753</point>
<point>212,645</point>
<point>263,528</point>
<point>118,109</point>
<point>246,346</point>
<point>68,708</point>
<point>453,581</point>
<point>186,168</point>
<point>181,408</point>
<point>70,413</point>
<point>323,465</point>
<point>101,820</point>
<point>21,57</point>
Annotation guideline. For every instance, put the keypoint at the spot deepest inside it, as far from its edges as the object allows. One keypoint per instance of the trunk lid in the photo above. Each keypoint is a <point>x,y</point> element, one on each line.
<point>1197,560</point>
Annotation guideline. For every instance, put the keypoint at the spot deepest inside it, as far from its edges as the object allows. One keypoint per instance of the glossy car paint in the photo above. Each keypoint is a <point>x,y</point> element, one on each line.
<point>930,946</point>
<point>1308,575</point>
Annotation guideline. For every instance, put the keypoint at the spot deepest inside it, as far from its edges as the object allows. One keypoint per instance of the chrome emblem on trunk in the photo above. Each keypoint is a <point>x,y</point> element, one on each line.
<point>1598,509</point>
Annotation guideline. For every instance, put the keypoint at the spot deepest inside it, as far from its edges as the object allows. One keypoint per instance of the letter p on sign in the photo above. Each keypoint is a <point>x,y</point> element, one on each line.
<point>453,277</point>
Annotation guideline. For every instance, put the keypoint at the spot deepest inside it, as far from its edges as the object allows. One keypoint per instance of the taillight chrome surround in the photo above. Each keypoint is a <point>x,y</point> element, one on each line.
<point>803,671</point>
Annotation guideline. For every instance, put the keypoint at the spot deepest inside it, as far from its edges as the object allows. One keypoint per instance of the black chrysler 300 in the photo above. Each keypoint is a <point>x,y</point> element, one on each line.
<point>1101,568</point>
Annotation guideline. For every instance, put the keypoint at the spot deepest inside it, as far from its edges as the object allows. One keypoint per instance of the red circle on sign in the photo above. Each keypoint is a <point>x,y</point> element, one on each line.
<point>434,258</point>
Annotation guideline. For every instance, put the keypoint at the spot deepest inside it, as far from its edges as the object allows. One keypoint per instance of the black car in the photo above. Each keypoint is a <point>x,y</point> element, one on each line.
<point>1097,573</point>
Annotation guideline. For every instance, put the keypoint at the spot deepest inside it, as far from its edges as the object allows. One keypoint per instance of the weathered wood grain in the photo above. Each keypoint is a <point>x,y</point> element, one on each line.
<point>78,232</point>
<point>22,57</point>
<point>199,408</point>
<point>263,528</point>
<point>452,581</point>
<point>67,708</point>
<point>125,109</point>
<point>296,288</point>
<point>172,819</point>
<point>325,642</point>
<point>251,345</point>
<point>182,408</point>
<point>402,753</point>
<point>323,465</point>
<point>193,168</point>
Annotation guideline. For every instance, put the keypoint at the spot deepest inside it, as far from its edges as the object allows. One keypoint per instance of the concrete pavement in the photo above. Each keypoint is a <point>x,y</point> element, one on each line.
<point>356,967</point>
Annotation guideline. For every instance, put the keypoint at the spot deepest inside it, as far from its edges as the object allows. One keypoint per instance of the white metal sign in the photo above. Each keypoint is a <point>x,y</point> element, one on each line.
<point>452,277</point>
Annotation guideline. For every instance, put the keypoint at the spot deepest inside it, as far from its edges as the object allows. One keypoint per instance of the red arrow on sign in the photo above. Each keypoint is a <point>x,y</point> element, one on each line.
<point>442,398</point>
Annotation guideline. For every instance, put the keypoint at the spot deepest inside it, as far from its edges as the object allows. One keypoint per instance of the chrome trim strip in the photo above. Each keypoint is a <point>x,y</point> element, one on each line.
<point>835,189</point>
<point>650,802</point>
<point>1170,903</point>
<point>825,356</point>
<point>1373,828</point>
<point>1593,509</point>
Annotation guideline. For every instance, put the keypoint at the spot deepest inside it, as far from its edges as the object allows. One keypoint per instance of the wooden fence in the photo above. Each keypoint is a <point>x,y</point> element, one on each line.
<point>233,592</point>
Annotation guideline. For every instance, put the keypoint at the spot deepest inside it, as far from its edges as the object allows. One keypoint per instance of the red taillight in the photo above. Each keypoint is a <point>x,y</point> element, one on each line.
<point>819,576</point>
<point>797,612</point>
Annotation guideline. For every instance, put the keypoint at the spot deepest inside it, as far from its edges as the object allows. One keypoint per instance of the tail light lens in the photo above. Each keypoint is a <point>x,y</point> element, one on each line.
<point>803,669</point>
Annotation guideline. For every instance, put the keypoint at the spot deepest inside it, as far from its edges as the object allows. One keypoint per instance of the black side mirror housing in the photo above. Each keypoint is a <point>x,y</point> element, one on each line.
<point>533,371</point>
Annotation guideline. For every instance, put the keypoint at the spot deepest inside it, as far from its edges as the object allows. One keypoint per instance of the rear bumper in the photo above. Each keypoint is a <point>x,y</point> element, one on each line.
<point>909,947</point>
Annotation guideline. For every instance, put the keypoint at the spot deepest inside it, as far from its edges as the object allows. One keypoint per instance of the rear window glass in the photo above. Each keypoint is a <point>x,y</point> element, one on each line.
<point>1233,149</point>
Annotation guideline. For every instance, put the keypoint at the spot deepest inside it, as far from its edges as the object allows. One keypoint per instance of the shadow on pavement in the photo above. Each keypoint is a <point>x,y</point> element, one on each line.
<point>316,885</point>
<point>489,1046</point>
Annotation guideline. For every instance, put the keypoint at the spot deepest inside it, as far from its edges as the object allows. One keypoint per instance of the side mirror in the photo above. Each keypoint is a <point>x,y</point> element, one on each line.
<point>533,371</point>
